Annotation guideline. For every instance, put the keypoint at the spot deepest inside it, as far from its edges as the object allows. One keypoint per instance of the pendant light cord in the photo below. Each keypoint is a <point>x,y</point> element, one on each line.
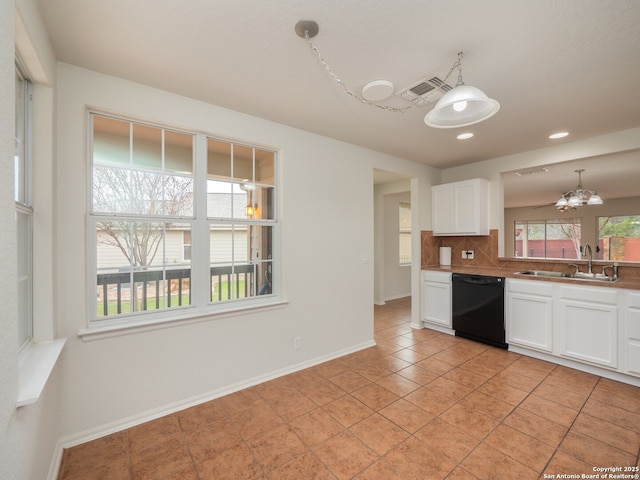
<point>314,49</point>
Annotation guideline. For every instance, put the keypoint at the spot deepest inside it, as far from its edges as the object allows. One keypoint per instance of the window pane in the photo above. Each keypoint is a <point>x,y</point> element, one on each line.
<point>178,187</point>
<point>218,159</point>
<point>178,152</point>
<point>265,167</point>
<point>111,142</point>
<point>186,245</point>
<point>141,266</point>
<point>20,165</point>
<point>243,163</point>
<point>548,238</point>
<point>225,200</point>
<point>146,148</point>
<point>241,261</point>
<point>404,248</point>
<point>619,238</point>
<point>23,229</point>
<point>178,196</point>
<point>404,229</point>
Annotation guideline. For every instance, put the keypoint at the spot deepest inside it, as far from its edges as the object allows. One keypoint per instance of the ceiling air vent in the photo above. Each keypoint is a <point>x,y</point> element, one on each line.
<point>425,91</point>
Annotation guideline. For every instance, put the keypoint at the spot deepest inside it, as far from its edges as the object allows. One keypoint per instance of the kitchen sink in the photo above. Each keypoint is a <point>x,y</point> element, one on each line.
<point>589,277</point>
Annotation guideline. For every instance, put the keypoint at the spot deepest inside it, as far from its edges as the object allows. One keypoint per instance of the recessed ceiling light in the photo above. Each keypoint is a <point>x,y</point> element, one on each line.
<point>464,136</point>
<point>557,135</point>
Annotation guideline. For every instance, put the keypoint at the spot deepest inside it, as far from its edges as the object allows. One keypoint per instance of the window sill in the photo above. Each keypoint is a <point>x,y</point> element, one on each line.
<point>184,317</point>
<point>35,367</point>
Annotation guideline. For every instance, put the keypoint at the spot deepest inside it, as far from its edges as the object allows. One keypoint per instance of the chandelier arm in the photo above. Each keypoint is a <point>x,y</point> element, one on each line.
<point>349,92</point>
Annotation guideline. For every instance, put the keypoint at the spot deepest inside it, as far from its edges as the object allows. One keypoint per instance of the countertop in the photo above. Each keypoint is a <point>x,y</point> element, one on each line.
<point>627,283</point>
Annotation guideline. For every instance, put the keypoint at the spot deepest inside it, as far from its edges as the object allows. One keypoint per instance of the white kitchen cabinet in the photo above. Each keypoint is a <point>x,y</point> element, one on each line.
<point>436,298</point>
<point>461,208</point>
<point>630,341</point>
<point>587,324</point>
<point>529,321</point>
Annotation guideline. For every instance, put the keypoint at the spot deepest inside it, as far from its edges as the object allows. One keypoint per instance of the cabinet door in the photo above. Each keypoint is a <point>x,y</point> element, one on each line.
<point>461,208</point>
<point>632,341</point>
<point>530,321</point>
<point>442,208</point>
<point>465,202</point>
<point>436,303</point>
<point>588,332</point>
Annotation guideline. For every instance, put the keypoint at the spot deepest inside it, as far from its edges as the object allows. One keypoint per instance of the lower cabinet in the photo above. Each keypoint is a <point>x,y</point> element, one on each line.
<point>631,341</point>
<point>436,298</point>
<point>599,326</point>
<point>529,316</point>
<point>587,326</point>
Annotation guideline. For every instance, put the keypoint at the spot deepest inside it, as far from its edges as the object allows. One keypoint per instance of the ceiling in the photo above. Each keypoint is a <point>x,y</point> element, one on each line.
<point>572,65</point>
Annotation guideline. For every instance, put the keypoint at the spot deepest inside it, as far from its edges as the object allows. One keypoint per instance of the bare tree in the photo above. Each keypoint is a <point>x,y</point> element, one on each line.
<point>144,193</point>
<point>572,232</point>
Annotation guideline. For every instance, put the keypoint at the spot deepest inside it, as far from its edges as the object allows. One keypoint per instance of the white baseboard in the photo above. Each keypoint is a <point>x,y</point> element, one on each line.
<point>583,367</point>
<point>128,422</point>
<point>396,297</point>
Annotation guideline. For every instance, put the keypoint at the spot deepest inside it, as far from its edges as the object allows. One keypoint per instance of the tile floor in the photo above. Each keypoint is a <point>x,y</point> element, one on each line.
<point>419,405</point>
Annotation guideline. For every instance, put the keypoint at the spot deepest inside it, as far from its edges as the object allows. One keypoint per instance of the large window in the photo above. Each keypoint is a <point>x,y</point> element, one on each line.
<point>619,238</point>
<point>179,220</point>
<point>404,233</point>
<point>547,238</point>
<point>24,211</point>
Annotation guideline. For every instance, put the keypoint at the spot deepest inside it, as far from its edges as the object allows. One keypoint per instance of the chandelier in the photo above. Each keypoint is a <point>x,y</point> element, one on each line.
<point>580,196</point>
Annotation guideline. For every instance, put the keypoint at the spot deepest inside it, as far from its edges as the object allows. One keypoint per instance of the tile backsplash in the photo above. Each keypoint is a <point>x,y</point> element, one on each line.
<point>485,250</point>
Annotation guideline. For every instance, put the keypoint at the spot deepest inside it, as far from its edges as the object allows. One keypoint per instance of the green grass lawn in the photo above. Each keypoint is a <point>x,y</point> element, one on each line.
<point>112,307</point>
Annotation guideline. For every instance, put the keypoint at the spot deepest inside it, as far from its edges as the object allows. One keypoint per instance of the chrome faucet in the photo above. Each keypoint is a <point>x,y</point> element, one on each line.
<point>587,251</point>
<point>614,270</point>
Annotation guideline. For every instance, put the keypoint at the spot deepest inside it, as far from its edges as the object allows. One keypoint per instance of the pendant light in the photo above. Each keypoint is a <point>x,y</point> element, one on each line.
<point>463,105</point>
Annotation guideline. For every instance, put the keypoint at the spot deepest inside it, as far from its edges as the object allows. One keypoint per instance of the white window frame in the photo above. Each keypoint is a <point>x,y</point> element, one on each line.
<point>403,233</point>
<point>200,307</point>
<point>545,223</point>
<point>23,185</point>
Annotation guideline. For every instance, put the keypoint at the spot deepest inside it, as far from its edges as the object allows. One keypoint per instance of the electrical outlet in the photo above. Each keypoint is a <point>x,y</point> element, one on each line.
<point>297,342</point>
<point>467,254</point>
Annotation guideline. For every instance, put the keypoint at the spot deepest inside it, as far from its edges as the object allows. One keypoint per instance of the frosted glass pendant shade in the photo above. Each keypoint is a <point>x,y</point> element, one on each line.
<point>464,105</point>
<point>595,199</point>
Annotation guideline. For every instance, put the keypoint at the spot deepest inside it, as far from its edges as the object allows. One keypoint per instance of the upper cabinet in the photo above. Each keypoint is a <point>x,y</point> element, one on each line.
<point>461,208</point>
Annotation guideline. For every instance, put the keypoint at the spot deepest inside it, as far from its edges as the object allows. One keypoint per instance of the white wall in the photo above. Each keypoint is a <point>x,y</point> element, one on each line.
<point>326,187</point>
<point>28,434</point>
<point>8,320</point>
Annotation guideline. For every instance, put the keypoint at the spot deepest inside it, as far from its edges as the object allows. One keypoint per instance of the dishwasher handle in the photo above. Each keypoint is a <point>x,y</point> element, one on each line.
<point>477,279</point>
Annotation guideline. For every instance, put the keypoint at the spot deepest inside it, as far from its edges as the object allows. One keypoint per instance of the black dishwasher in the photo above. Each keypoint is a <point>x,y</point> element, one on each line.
<point>478,308</point>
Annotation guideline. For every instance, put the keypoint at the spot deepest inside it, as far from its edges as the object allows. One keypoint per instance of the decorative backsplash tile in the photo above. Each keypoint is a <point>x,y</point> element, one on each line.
<point>485,250</point>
